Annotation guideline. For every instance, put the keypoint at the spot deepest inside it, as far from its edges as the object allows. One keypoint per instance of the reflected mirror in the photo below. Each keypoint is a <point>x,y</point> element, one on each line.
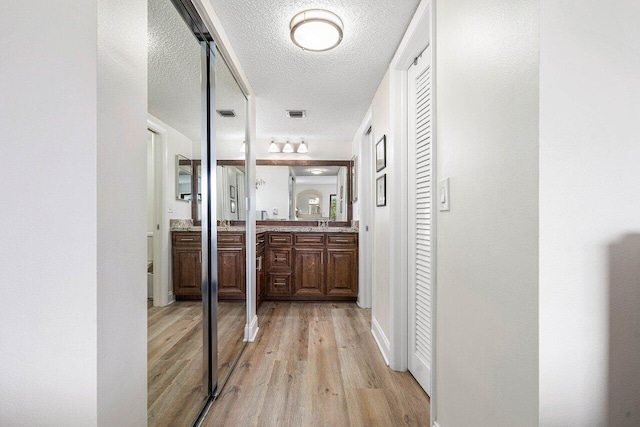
<point>183,178</point>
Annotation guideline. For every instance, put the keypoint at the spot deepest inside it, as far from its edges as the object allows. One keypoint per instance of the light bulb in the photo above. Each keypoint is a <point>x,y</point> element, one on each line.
<point>302,148</point>
<point>273,147</point>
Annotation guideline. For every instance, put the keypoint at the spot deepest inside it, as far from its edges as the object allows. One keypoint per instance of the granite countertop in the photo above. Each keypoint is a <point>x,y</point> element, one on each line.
<point>187,225</point>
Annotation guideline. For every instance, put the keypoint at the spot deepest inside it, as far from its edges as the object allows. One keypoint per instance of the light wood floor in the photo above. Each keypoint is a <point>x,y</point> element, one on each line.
<point>174,358</point>
<point>317,364</point>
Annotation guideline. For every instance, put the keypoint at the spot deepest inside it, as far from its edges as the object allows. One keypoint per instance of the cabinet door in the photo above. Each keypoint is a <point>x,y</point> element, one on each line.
<point>187,271</point>
<point>308,275</point>
<point>342,272</point>
<point>231,283</point>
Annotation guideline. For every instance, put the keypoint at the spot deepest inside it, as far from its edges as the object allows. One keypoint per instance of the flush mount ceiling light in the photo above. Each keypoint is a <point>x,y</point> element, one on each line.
<point>317,171</point>
<point>302,148</point>
<point>316,30</point>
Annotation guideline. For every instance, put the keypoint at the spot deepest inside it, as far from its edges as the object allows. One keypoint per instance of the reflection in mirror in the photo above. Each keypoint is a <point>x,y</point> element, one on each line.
<point>183,178</point>
<point>230,125</point>
<point>231,193</point>
<point>302,192</point>
<point>176,350</point>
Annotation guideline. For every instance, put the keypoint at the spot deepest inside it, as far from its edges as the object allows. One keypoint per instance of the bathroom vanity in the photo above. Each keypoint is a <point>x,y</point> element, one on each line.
<point>292,264</point>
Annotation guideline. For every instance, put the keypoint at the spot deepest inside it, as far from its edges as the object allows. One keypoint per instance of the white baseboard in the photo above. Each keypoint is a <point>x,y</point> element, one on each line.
<point>251,330</point>
<point>381,340</point>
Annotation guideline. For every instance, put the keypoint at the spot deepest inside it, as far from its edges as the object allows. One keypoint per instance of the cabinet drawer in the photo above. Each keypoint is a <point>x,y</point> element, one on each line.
<point>230,239</point>
<point>309,239</point>
<point>279,284</point>
<point>280,239</point>
<point>187,238</point>
<point>342,239</point>
<point>279,259</point>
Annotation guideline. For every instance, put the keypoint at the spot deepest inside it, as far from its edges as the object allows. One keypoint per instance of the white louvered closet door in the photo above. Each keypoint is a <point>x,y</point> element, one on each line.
<point>420,215</point>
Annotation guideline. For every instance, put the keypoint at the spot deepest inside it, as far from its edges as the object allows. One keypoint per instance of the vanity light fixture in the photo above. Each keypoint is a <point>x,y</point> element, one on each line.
<point>273,147</point>
<point>302,148</point>
<point>288,148</point>
<point>316,30</point>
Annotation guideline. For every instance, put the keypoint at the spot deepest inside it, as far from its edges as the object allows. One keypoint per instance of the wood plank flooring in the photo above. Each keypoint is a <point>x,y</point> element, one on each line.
<point>317,364</point>
<point>174,358</point>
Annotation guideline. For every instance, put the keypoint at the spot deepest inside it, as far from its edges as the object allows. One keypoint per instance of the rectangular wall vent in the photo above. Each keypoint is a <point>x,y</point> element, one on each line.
<point>296,114</point>
<point>226,113</point>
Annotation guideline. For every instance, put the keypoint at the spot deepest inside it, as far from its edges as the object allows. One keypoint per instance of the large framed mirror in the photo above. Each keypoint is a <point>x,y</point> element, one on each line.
<point>295,192</point>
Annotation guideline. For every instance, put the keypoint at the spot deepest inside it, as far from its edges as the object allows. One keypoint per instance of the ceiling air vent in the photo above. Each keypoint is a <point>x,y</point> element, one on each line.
<point>226,113</point>
<point>296,114</point>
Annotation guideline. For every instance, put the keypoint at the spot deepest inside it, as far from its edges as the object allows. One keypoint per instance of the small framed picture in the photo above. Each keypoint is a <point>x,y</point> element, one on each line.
<point>381,191</point>
<point>381,154</point>
<point>232,192</point>
<point>232,207</point>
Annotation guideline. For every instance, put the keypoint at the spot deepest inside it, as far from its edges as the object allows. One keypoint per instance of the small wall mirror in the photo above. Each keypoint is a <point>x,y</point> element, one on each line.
<point>184,176</point>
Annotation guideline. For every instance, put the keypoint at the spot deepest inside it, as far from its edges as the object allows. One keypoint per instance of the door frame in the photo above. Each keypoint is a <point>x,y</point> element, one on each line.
<point>161,291</point>
<point>366,208</point>
<point>419,35</point>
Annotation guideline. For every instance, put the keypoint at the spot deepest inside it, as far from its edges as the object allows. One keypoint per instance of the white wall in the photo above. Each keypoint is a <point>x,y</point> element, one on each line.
<point>121,298</point>
<point>174,143</point>
<point>380,309</point>
<point>589,213</point>
<point>75,93</point>
<point>275,192</point>
<point>487,245</point>
<point>48,241</point>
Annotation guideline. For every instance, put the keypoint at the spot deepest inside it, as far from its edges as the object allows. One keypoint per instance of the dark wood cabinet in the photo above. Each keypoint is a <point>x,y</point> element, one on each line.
<point>312,266</point>
<point>342,272</point>
<point>186,265</point>
<point>289,266</point>
<point>308,274</point>
<point>231,266</point>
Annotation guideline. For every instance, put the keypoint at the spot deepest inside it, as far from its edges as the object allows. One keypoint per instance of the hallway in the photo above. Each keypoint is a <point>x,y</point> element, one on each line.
<point>317,364</point>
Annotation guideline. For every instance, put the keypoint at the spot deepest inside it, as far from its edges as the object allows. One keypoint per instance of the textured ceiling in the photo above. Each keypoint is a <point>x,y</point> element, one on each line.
<point>174,79</point>
<point>335,87</point>
<point>174,70</point>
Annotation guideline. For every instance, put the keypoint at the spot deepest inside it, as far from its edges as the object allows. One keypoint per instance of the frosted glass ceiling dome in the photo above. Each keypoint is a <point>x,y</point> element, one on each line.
<point>316,30</point>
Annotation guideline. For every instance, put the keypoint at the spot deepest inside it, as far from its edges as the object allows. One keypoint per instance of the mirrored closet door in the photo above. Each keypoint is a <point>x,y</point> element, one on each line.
<point>182,320</point>
<point>231,190</point>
